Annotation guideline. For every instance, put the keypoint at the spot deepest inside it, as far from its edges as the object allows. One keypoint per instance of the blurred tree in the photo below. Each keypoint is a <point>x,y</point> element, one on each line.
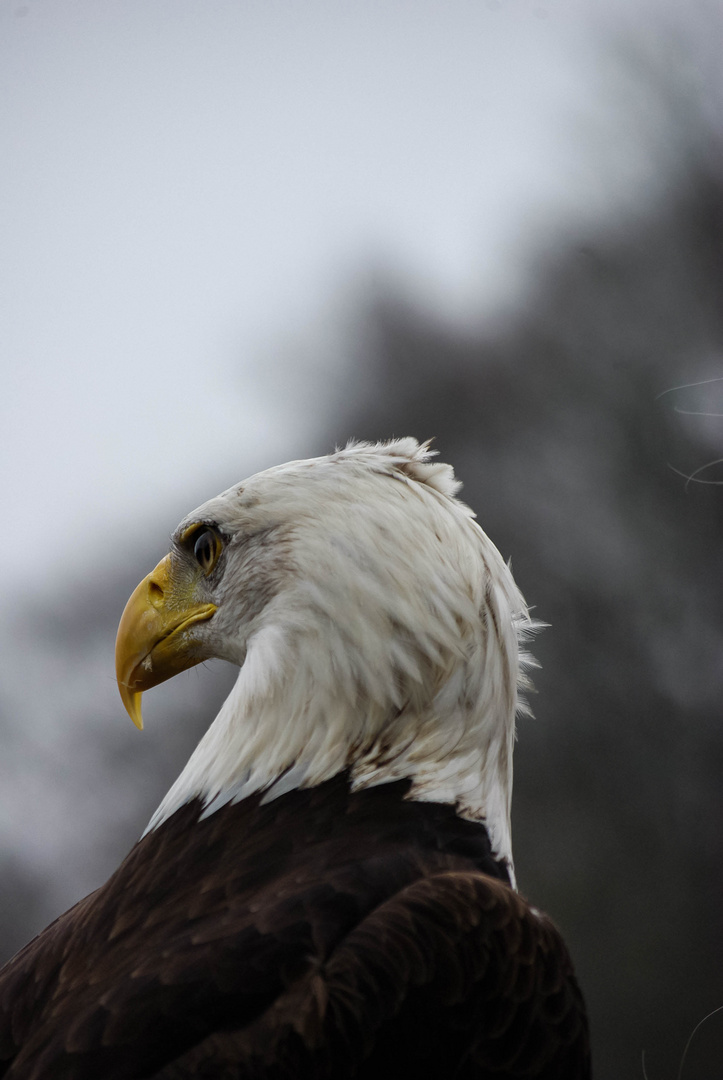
<point>554,423</point>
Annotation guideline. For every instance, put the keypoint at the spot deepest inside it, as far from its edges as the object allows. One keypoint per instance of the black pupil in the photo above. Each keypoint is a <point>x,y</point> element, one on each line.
<point>204,549</point>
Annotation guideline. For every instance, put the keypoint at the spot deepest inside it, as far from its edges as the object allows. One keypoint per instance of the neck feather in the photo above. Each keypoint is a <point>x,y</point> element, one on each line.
<point>444,718</point>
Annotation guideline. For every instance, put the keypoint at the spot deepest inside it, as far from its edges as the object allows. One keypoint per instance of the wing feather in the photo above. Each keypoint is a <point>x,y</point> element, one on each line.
<point>454,976</point>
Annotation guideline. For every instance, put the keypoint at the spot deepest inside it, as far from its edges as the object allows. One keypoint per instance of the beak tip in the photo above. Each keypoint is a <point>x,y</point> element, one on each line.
<point>132,701</point>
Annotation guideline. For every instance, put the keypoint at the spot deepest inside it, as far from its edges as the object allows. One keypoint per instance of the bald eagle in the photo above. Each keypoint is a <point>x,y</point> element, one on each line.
<point>327,890</point>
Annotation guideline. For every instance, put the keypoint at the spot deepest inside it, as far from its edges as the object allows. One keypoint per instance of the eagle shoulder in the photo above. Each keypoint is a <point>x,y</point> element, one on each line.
<point>210,923</point>
<point>455,975</point>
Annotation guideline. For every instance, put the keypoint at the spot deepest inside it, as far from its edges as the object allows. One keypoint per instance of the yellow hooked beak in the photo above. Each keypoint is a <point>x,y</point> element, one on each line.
<point>153,642</point>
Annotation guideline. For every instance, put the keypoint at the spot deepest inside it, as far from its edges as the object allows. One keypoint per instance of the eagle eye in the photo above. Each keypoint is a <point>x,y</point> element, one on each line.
<point>206,550</point>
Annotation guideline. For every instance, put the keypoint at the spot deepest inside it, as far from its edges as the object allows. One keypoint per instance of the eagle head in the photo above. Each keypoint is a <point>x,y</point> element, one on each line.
<point>376,627</point>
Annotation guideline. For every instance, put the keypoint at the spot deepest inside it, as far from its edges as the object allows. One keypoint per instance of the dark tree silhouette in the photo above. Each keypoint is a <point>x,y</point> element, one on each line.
<point>555,426</point>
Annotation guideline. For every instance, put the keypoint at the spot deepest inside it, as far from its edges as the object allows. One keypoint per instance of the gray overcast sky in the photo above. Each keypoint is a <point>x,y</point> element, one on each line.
<point>188,186</point>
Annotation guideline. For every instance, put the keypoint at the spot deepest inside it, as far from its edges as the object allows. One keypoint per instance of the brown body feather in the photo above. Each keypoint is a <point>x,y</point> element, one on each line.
<point>324,934</point>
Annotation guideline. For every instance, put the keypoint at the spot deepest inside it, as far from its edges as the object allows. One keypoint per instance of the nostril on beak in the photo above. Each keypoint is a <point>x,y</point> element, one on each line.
<point>155,593</point>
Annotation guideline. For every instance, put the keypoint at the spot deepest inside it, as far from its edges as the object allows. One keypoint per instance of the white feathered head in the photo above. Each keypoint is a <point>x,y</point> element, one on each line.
<point>376,626</point>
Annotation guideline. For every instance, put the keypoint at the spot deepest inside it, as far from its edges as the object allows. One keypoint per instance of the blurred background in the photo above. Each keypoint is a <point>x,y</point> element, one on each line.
<point>240,231</point>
